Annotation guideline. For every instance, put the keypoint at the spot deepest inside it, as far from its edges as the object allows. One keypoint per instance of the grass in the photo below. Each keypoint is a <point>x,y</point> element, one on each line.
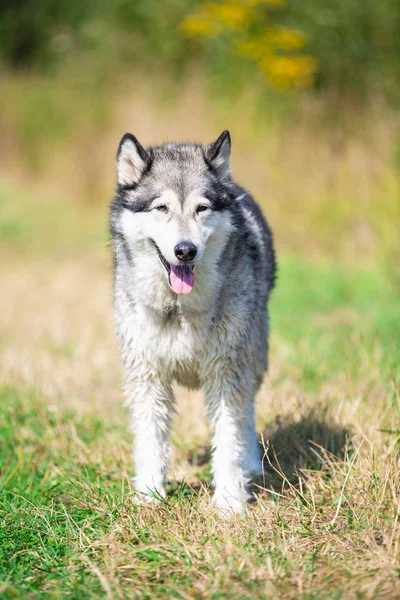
<point>326,524</point>
<point>31,226</point>
<point>70,527</point>
<point>338,321</point>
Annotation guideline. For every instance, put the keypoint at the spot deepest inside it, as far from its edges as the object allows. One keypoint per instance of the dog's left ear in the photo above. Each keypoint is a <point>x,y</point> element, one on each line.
<point>132,160</point>
<point>218,154</point>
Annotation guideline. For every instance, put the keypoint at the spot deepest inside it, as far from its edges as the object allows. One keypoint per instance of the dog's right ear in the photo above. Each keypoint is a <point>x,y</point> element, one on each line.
<point>132,160</point>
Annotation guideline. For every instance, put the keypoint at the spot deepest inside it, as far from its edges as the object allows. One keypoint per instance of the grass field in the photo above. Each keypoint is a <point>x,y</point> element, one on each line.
<point>326,524</point>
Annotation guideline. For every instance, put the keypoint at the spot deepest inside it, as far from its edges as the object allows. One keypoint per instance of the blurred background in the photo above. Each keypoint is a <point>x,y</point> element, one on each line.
<point>310,91</point>
<point>311,94</point>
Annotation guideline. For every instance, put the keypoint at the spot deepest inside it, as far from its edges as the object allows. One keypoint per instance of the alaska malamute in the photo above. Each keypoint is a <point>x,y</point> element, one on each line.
<point>193,268</point>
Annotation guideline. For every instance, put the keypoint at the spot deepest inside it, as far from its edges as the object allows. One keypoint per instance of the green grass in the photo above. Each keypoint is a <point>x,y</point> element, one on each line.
<point>69,525</point>
<point>51,496</point>
<point>337,321</point>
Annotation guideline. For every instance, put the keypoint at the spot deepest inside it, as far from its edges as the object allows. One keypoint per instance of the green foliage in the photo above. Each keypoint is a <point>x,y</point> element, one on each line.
<point>250,30</point>
<point>34,33</point>
<point>151,32</point>
<point>40,34</point>
<point>349,46</point>
<point>356,43</point>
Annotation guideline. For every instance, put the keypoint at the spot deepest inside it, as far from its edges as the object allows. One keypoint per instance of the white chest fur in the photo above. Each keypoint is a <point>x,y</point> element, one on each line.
<point>169,337</point>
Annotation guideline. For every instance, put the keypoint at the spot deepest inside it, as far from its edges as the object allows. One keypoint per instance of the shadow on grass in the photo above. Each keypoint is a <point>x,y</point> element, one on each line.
<point>199,457</point>
<point>289,447</point>
<point>310,443</point>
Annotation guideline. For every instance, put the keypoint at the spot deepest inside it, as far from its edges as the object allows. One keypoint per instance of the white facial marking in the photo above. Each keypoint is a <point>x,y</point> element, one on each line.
<point>178,222</point>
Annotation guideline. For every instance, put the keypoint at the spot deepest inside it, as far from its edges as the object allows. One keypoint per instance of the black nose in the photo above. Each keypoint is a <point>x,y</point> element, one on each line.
<point>185,251</point>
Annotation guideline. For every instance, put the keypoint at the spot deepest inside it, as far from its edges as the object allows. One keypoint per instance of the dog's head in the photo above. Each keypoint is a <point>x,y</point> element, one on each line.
<point>174,201</point>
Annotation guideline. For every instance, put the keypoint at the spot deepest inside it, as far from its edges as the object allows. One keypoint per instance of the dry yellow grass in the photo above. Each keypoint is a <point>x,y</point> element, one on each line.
<point>326,528</point>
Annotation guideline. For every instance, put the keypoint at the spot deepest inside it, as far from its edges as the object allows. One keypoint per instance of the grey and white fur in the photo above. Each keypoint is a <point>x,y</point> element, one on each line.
<point>194,265</point>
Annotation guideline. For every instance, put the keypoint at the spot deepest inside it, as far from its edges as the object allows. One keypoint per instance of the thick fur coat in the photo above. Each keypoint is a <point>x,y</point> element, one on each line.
<point>193,268</point>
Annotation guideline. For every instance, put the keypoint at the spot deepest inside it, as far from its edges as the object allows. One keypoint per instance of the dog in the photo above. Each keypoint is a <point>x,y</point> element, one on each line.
<point>194,265</point>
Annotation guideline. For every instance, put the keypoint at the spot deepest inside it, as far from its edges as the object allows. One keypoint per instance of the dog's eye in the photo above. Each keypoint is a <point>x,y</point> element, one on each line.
<point>162,208</point>
<point>202,208</point>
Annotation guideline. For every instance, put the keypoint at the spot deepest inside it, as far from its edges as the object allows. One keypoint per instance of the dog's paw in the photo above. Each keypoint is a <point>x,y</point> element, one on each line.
<point>230,504</point>
<point>147,498</point>
<point>147,493</point>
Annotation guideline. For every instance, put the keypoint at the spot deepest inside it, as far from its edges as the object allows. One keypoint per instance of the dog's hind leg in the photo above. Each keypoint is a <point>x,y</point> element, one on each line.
<point>151,403</point>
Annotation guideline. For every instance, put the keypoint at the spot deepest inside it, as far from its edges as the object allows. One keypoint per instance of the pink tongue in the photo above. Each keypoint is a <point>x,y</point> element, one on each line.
<point>182,279</point>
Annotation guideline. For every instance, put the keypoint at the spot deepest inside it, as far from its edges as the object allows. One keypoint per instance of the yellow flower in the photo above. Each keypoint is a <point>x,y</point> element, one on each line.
<point>271,40</point>
<point>198,25</point>
<point>289,71</point>
<point>276,49</point>
<point>287,39</point>
<point>214,18</point>
<point>231,14</point>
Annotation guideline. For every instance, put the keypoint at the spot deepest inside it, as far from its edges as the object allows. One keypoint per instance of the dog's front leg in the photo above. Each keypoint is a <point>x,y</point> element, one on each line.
<point>230,401</point>
<point>151,403</point>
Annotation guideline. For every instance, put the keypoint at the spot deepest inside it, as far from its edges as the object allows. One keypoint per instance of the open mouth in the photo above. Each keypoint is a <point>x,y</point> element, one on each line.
<point>180,278</point>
